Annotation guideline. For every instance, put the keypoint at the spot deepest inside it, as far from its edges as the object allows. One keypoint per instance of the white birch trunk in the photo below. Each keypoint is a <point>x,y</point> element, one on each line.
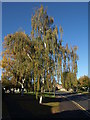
<point>40,101</point>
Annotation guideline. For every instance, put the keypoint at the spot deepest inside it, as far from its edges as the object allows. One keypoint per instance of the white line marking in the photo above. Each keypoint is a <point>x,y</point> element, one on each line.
<point>79,106</point>
<point>82,108</point>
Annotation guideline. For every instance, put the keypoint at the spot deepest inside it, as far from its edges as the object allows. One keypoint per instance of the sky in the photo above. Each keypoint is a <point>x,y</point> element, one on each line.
<point>73,17</point>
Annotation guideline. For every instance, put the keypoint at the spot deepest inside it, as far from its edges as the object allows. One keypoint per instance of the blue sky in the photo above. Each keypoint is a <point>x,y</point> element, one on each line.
<point>73,17</point>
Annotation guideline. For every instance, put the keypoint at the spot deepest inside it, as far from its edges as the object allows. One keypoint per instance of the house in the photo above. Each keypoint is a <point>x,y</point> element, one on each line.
<point>59,86</point>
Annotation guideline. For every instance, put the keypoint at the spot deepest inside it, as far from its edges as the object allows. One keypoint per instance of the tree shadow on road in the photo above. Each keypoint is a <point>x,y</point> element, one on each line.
<point>27,107</point>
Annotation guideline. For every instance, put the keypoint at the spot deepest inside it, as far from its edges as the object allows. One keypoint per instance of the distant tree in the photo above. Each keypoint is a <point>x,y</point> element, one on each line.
<point>84,81</point>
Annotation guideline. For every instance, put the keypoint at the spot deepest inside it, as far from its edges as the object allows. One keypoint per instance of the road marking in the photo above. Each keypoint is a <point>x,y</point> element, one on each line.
<point>82,108</point>
<point>79,106</point>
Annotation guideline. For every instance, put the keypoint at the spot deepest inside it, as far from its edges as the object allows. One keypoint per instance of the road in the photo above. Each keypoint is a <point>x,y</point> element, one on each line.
<point>79,102</point>
<point>68,108</point>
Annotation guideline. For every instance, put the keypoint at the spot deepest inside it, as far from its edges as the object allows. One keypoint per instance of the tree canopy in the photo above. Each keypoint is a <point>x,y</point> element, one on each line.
<point>40,57</point>
<point>84,81</point>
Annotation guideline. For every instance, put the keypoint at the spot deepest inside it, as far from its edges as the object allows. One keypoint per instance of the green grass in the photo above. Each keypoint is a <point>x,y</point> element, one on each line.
<point>83,92</point>
<point>40,109</point>
<point>55,106</point>
<point>52,104</point>
<point>32,93</point>
<point>46,94</point>
<point>29,103</point>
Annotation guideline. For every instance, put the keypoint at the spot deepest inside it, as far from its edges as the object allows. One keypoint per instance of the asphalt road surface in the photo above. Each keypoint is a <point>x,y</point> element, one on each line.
<point>68,109</point>
<point>75,101</point>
